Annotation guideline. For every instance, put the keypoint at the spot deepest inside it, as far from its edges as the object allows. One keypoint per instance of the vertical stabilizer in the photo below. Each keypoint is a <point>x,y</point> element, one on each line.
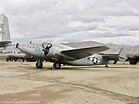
<point>4,28</point>
<point>4,31</point>
<point>122,54</point>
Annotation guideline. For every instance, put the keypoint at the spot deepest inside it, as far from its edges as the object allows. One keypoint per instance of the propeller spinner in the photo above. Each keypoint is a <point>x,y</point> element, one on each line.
<point>46,49</point>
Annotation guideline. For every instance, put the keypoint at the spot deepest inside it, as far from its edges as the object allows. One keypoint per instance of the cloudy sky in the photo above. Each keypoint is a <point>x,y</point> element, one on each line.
<point>106,21</point>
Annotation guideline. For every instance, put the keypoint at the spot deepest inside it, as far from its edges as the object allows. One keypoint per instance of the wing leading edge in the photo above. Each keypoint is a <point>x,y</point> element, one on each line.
<point>83,52</point>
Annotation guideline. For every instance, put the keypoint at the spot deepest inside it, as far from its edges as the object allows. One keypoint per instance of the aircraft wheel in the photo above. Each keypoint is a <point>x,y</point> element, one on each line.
<point>106,65</point>
<point>115,62</point>
<point>39,64</point>
<point>57,65</point>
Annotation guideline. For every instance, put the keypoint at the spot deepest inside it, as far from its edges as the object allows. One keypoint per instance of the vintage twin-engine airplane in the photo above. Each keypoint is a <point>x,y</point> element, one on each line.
<point>62,54</point>
<point>59,53</point>
<point>4,32</point>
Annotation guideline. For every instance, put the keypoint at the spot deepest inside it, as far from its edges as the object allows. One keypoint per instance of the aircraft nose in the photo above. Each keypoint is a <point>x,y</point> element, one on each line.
<point>17,44</point>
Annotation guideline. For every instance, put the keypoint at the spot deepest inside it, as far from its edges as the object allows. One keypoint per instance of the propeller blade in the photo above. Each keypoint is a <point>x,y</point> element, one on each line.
<point>43,46</point>
<point>17,44</point>
<point>46,49</point>
<point>49,45</point>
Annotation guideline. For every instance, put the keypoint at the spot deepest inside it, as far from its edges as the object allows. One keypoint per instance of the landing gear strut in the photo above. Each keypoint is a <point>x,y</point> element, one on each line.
<point>39,64</point>
<point>57,65</point>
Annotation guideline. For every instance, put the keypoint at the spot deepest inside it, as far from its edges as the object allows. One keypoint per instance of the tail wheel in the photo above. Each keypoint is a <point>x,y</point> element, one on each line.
<point>115,61</point>
<point>57,65</point>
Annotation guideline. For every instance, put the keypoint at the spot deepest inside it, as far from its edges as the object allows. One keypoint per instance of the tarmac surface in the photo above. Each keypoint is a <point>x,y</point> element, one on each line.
<point>23,83</point>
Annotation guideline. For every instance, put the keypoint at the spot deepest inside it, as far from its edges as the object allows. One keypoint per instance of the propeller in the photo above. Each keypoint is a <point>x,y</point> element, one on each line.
<point>17,44</point>
<point>46,49</point>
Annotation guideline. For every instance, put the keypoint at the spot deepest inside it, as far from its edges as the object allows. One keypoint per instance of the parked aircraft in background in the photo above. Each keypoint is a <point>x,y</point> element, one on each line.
<point>59,53</point>
<point>4,32</point>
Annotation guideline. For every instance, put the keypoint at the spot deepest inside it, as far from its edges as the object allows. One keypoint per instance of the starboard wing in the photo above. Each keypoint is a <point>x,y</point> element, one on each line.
<point>83,52</point>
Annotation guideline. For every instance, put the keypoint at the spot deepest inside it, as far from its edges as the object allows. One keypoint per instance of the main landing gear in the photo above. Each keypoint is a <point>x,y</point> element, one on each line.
<point>56,65</point>
<point>39,64</point>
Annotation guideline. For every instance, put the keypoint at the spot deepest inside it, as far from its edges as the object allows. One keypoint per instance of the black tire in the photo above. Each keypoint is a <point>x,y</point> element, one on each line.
<point>115,61</point>
<point>39,64</point>
<point>57,65</point>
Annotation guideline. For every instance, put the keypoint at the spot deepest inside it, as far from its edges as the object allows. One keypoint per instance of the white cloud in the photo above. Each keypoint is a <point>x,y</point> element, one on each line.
<point>73,20</point>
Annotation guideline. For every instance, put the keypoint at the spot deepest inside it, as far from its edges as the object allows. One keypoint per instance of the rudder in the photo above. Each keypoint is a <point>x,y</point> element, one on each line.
<point>4,29</point>
<point>122,54</point>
